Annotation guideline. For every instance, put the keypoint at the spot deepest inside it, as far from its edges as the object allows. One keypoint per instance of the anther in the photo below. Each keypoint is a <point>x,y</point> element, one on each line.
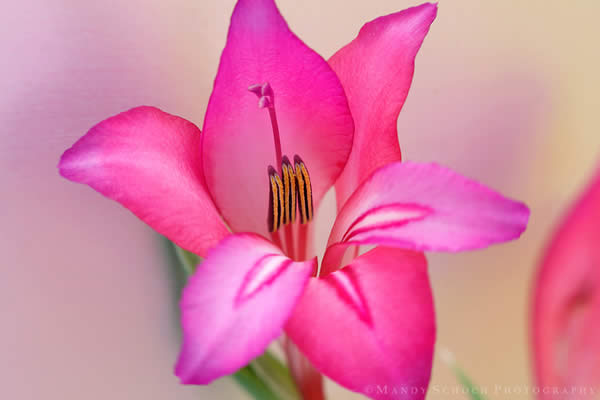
<point>286,193</point>
<point>305,199</point>
<point>289,190</point>
<point>276,202</point>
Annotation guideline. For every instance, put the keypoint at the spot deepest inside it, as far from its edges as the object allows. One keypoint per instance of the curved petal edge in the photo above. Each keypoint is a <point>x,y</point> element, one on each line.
<point>149,161</point>
<point>376,71</point>
<point>370,326</point>
<point>565,324</point>
<point>235,304</point>
<point>424,207</point>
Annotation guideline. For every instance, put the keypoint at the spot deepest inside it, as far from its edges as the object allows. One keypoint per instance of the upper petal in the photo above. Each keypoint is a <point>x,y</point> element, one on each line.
<point>422,206</point>
<point>148,161</point>
<point>370,326</point>
<point>566,302</point>
<point>313,114</point>
<point>376,70</point>
<point>235,304</point>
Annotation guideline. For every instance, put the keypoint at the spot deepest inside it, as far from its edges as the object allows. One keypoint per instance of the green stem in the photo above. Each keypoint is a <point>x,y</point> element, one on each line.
<point>473,391</point>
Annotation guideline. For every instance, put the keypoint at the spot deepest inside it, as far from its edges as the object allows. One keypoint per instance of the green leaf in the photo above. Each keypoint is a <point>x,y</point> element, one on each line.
<point>249,380</point>
<point>277,375</point>
<point>188,260</point>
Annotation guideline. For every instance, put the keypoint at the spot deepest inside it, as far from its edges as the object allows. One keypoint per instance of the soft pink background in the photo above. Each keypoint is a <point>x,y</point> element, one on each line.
<point>504,91</point>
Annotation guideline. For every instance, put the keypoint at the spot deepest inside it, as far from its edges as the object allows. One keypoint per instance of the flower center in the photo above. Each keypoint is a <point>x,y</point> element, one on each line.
<point>289,186</point>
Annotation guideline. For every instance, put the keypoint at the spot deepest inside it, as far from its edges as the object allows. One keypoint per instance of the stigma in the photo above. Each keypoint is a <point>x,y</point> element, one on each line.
<point>288,193</point>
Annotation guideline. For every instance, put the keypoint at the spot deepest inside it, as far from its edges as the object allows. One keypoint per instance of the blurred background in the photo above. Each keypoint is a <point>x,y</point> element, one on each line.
<point>504,91</point>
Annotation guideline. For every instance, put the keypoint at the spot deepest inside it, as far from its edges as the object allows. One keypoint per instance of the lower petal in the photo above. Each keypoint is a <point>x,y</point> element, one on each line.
<point>235,304</point>
<point>370,326</point>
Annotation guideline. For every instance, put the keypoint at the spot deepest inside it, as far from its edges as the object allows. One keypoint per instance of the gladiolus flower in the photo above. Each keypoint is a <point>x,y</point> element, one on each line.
<point>260,171</point>
<point>566,304</point>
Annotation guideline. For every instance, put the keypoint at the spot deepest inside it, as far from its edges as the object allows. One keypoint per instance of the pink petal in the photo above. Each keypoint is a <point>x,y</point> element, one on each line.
<point>314,119</point>
<point>370,324</point>
<point>235,304</point>
<point>424,207</point>
<point>149,161</point>
<point>376,70</point>
<point>566,307</point>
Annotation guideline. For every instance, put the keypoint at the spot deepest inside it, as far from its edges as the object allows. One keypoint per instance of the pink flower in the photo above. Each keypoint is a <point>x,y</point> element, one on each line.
<point>368,323</point>
<point>566,304</point>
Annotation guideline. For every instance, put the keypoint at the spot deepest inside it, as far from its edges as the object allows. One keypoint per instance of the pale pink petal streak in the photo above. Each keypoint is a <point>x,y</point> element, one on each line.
<point>423,207</point>
<point>235,304</point>
<point>370,326</point>
<point>376,70</point>
<point>149,161</point>
<point>311,107</point>
<point>566,302</point>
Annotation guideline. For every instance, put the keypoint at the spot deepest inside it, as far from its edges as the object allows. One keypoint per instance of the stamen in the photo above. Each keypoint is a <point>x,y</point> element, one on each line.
<point>280,196</point>
<point>276,211</point>
<point>284,192</point>
<point>289,191</point>
<point>304,190</point>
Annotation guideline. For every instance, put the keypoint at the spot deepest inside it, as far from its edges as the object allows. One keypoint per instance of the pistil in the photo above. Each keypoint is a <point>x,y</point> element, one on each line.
<point>266,99</point>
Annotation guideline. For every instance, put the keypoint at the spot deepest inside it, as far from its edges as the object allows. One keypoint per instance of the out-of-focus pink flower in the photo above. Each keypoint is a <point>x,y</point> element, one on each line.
<point>566,304</point>
<point>369,321</point>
